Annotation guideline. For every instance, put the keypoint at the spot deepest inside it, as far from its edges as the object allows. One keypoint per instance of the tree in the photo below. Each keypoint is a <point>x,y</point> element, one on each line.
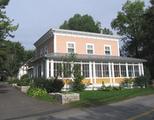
<point>148,39</point>
<point>84,23</point>
<point>128,23</point>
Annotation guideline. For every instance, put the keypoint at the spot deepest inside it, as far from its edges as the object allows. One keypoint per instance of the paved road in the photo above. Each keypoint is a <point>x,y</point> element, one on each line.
<point>16,106</point>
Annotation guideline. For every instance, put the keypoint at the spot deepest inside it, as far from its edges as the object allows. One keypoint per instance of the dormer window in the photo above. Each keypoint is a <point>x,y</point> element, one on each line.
<point>70,47</point>
<point>107,49</point>
<point>90,48</point>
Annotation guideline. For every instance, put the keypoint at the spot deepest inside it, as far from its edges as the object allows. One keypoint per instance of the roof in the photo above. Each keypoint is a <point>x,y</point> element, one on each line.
<point>50,33</point>
<point>98,58</point>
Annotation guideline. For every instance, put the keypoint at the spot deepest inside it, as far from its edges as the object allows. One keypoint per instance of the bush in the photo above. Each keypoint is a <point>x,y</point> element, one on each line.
<point>24,81</point>
<point>57,85</point>
<point>37,92</point>
<point>141,81</point>
<point>51,85</point>
<point>77,83</point>
<point>13,81</point>
<point>127,82</point>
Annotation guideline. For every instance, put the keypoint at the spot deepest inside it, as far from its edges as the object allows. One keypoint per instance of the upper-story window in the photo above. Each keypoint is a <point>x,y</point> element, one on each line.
<point>107,49</point>
<point>70,47</point>
<point>90,48</point>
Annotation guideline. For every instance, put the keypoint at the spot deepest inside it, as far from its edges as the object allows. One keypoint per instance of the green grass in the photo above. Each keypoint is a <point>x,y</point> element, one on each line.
<point>90,98</point>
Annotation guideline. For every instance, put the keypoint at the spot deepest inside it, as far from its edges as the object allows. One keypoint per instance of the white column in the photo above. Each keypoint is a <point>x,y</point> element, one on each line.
<point>90,72</point>
<point>142,68</point>
<point>139,66</point>
<point>52,68</point>
<point>94,72</point>
<point>127,75</point>
<point>47,68</point>
<point>42,69</point>
<point>113,76</point>
<point>133,71</point>
<point>81,68</point>
<point>120,69</point>
<point>110,74</point>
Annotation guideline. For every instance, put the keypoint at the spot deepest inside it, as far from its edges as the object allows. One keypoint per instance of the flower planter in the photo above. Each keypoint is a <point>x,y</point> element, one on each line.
<point>64,98</point>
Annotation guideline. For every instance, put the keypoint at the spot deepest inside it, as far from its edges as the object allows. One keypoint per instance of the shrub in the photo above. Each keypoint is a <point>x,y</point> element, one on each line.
<point>127,82</point>
<point>57,85</point>
<point>77,83</point>
<point>37,92</point>
<point>24,81</point>
<point>51,85</point>
<point>141,81</point>
<point>13,81</point>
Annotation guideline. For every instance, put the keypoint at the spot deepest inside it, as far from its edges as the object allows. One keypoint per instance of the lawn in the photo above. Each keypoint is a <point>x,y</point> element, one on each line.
<point>90,98</point>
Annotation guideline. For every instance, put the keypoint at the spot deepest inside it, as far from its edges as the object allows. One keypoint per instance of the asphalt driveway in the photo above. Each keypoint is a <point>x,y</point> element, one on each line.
<point>16,106</point>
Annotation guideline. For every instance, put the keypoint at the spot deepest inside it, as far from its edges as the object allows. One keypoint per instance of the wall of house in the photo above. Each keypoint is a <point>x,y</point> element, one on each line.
<point>81,41</point>
<point>46,47</point>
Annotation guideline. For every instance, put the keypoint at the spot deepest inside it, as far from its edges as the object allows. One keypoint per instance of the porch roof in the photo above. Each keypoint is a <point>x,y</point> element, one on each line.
<point>98,58</point>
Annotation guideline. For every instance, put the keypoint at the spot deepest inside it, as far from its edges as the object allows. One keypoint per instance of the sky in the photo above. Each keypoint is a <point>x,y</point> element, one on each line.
<point>35,17</point>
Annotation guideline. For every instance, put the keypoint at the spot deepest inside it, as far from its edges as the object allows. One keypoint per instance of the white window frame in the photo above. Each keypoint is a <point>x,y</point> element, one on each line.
<point>110,49</point>
<point>68,47</point>
<point>92,48</point>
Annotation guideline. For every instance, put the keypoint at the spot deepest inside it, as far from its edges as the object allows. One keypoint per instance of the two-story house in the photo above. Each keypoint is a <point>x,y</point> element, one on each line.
<point>97,54</point>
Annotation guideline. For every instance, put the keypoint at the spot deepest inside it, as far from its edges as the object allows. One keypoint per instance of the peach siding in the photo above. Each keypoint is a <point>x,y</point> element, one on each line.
<point>80,44</point>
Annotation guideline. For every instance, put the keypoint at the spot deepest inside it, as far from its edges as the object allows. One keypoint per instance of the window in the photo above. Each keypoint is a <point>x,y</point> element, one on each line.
<point>130,70</point>
<point>105,71</point>
<point>136,69</point>
<point>123,71</point>
<point>98,70</point>
<point>86,70</point>
<point>71,47</point>
<point>116,71</point>
<point>107,50</point>
<point>90,48</point>
<point>57,70</point>
<point>67,70</point>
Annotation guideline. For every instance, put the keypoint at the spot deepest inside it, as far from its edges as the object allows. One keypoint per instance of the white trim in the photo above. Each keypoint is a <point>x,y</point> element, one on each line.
<point>140,73</point>
<point>93,47</point>
<point>70,43</point>
<point>55,43</point>
<point>77,34</point>
<point>52,68</point>
<point>110,49</point>
<point>133,70</point>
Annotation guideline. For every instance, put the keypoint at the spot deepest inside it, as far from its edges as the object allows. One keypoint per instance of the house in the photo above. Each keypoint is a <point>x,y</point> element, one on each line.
<point>97,54</point>
<point>22,71</point>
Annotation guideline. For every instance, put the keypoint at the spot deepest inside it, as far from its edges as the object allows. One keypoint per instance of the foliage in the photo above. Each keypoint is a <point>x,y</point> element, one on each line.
<point>24,81</point>
<point>51,85</point>
<point>13,81</point>
<point>141,81</point>
<point>77,80</point>
<point>128,82</point>
<point>57,85</point>
<point>84,23</point>
<point>36,92</point>
<point>129,23</point>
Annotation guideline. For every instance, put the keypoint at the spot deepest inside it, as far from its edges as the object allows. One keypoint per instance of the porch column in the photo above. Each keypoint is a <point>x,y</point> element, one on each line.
<point>47,68</point>
<point>52,68</point>
<point>139,66</point>
<point>110,73</point>
<point>113,76</point>
<point>42,66</point>
<point>90,72</point>
<point>127,75</point>
<point>142,68</point>
<point>94,72</point>
<point>133,71</point>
